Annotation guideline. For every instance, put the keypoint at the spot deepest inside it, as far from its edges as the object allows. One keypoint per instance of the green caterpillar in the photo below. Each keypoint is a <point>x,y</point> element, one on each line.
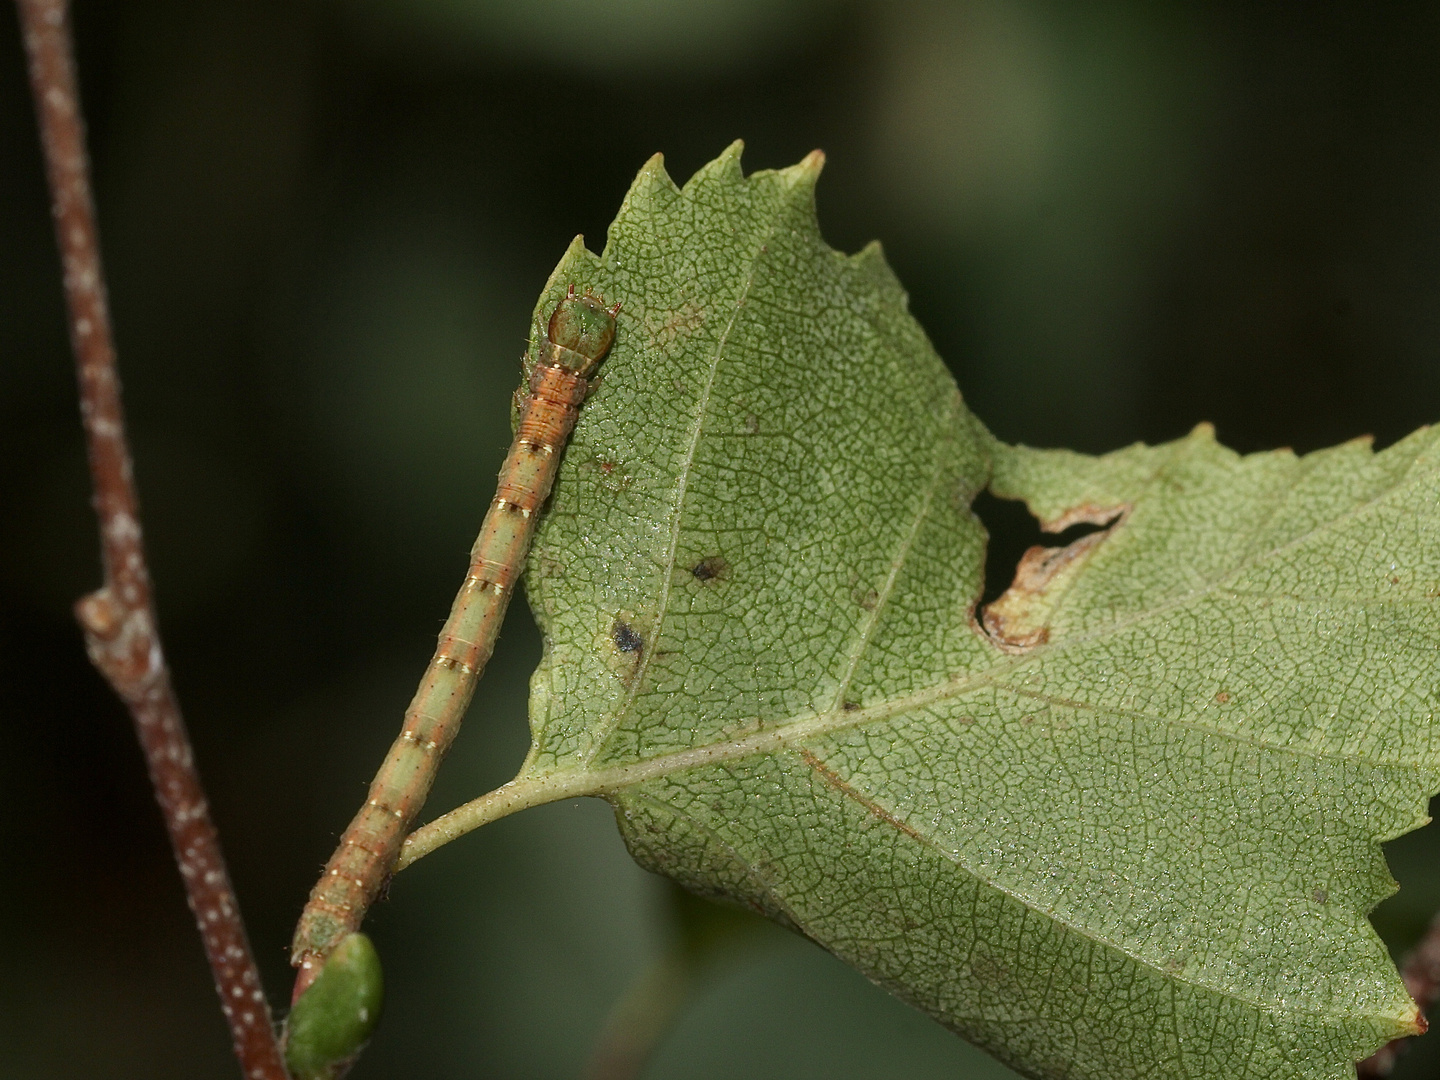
<point>332,1021</point>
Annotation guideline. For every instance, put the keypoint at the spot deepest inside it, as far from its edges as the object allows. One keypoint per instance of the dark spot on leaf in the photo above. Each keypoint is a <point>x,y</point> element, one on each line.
<point>1222,697</point>
<point>1320,896</point>
<point>850,706</point>
<point>868,599</point>
<point>625,637</point>
<point>967,719</point>
<point>752,424</point>
<point>710,568</point>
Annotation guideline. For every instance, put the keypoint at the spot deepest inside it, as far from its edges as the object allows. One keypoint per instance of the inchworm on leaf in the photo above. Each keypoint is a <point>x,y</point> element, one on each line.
<point>577,338</point>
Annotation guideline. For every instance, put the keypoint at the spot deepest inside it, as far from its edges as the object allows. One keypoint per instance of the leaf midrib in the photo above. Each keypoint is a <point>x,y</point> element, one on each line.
<point>681,487</point>
<point>790,733</point>
<point>805,725</point>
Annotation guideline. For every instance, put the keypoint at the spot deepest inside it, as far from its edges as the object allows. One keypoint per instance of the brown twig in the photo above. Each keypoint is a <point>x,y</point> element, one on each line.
<point>119,618</point>
<point>1421,972</point>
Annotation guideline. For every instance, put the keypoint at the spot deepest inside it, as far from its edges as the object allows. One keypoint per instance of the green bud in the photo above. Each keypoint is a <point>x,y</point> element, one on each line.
<point>330,1024</point>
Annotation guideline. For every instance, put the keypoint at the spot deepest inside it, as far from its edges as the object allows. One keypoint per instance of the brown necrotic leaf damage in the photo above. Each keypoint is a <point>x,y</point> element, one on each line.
<point>1019,620</point>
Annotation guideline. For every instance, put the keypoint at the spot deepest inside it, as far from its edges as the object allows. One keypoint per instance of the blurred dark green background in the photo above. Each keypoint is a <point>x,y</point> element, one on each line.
<point>325,224</point>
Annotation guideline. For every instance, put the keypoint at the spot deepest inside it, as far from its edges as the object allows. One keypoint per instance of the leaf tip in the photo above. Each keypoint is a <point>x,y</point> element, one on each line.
<point>871,258</point>
<point>576,265</point>
<point>805,173</point>
<point>652,186</point>
<point>871,262</point>
<point>724,169</point>
<point>1363,445</point>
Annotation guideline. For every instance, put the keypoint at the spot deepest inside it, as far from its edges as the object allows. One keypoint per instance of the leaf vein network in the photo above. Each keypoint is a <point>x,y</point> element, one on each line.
<point>1031,907</point>
<point>897,563</point>
<point>602,737</point>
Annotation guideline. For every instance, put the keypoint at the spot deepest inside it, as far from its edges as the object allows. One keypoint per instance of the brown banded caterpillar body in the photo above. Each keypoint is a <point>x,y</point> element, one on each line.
<point>576,339</point>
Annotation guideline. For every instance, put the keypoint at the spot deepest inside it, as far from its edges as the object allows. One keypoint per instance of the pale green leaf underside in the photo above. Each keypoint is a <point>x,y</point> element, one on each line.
<point>1143,845</point>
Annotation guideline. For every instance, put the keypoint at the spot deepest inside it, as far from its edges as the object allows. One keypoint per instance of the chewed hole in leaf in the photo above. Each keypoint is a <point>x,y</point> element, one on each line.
<point>1013,531</point>
<point>1020,595</point>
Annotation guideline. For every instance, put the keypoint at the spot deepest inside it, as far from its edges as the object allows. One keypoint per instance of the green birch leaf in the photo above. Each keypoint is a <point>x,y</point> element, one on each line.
<point>1130,825</point>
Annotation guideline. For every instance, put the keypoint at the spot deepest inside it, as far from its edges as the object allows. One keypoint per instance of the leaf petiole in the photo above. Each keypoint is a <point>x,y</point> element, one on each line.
<point>519,794</point>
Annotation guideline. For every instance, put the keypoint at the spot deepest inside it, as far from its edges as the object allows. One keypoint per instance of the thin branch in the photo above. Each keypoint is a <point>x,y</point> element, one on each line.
<point>119,618</point>
<point>1421,972</point>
